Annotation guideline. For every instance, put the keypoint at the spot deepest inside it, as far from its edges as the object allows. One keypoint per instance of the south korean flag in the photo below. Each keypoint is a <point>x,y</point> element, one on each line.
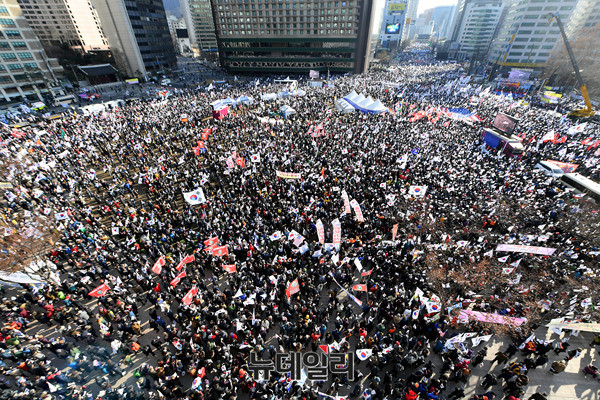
<point>61,215</point>
<point>417,191</point>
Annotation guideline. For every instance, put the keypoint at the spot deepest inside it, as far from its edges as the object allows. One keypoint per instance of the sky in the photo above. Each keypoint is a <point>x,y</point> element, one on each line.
<point>172,7</point>
<point>426,4</point>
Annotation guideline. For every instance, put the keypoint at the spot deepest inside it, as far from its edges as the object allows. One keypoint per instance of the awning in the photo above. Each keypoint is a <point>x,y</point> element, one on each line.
<point>97,70</point>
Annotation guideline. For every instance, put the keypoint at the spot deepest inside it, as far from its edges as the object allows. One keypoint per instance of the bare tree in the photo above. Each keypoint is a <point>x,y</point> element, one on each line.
<point>25,236</point>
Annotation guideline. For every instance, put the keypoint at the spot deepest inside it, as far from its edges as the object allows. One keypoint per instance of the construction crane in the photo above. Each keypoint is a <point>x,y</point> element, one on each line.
<point>588,111</point>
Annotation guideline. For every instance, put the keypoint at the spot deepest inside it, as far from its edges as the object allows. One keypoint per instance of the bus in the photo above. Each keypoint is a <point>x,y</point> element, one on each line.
<point>582,184</point>
<point>511,146</point>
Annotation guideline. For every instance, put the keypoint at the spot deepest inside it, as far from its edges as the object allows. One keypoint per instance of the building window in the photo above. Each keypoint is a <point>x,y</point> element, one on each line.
<point>7,22</point>
<point>30,66</point>
<point>15,67</point>
<point>12,34</point>
<point>25,56</point>
<point>8,56</point>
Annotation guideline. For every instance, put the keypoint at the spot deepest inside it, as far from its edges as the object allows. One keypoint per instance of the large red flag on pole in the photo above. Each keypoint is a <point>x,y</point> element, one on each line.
<point>100,290</point>
<point>187,299</point>
<point>157,268</point>
<point>220,251</point>
<point>292,288</point>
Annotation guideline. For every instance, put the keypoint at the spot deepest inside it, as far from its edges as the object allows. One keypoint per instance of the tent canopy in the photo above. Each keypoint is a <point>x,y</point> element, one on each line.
<point>366,105</point>
<point>268,96</point>
<point>297,92</point>
<point>343,106</point>
<point>245,99</point>
<point>287,111</point>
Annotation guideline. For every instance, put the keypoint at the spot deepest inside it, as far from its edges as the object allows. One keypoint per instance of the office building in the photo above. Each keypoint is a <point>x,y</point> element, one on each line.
<point>394,17</point>
<point>295,36</point>
<point>586,14</point>
<point>423,27</point>
<point>475,25</point>
<point>175,23</point>
<point>70,22</point>
<point>138,35</point>
<point>412,6</point>
<point>26,73</point>
<point>179,34</point>
<point>199,18</point>
<point>526,39</point>
<point>442,21</point>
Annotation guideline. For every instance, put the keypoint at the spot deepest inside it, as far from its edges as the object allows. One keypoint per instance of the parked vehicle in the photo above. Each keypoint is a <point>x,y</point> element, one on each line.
<point>510,146</point>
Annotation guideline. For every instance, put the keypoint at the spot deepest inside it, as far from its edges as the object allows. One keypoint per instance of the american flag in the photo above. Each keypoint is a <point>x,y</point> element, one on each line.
<point>460,113</point>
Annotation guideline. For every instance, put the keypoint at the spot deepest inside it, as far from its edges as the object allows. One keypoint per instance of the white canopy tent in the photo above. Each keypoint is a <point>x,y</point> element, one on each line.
<point>268,97</point>
<point>363,104</point>
<point>343,106</point>
<point>287,111</point>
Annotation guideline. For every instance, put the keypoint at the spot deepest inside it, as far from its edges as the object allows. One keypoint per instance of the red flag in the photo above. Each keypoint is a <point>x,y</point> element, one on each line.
<point>530,140</point>
<point>180,265</point>
<point>211,242</point>
<point>187,299</point>
<point>586,141</point>
<point>292,288</point>
<point>196,150</point>
<point>230,268</point>
<point>324,347</point>
<point>240,161</point>
<point>202,373</point>
<point>188,259</point>
<point>323,172</point>
<point>157,268</point>
<point>367,273</point>
<point>446,123</point>
<point>360,288</point>
<point>100,290</point>
<point>177,279</point>
<point>220,251</point>
<point>594,145</point>
<point>562,139</point>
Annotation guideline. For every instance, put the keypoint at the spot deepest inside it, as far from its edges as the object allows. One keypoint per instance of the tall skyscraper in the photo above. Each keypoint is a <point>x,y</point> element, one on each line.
<point>442,20</point>
<point>294,36</point>
<point>26,73</point>
<point>394,17</point>
<point>526,38</point>
<point>138,35</point>
<point>179,34</point>
<point>475,25</point>
<point>71,22</point>
<point>585,15</point>
<point>423,28</point>
<point>199,18</point>
<point>412,6</point>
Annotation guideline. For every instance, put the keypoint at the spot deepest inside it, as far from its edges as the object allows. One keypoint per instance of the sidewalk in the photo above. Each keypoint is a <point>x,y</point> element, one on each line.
<point>568,385</point>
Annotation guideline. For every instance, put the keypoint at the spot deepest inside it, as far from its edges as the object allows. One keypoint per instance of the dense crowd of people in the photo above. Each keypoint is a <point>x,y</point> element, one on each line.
<point>387,231</point>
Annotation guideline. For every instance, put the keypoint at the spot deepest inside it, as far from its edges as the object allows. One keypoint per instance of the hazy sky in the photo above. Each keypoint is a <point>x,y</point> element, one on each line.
<point>426,4</point>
